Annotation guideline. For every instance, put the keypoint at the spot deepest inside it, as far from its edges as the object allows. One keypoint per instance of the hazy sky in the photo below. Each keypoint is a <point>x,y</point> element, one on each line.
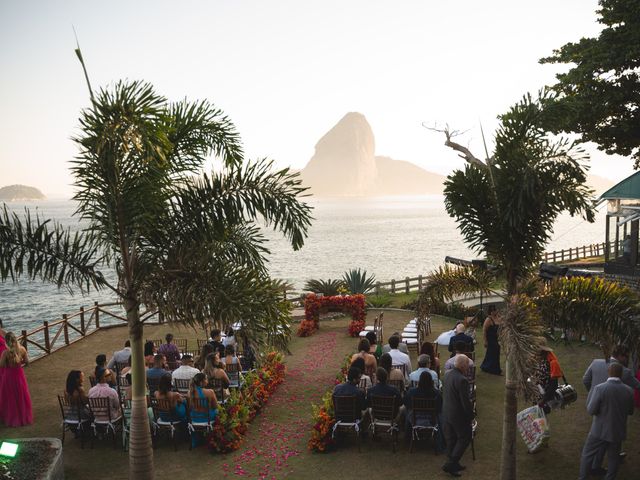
<point>284,71</point>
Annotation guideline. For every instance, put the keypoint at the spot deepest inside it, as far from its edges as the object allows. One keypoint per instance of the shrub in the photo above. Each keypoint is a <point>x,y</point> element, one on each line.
<point>325,287</point>
<point>379,301</point>
<point>357,281</point>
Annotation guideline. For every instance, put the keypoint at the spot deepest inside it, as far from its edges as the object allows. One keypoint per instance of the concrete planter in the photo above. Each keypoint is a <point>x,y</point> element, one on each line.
<point>56,467</point>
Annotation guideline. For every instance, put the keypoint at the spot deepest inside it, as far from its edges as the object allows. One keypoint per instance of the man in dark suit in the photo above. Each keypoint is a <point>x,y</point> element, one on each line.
<point>598,371</point>
<point>610,404</point>
<point>457,414</point>
<point>460,336</point>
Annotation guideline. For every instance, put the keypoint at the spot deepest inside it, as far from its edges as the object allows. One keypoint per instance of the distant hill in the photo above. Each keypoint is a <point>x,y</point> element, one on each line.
<point>345,163</point>
<point>20,192</point>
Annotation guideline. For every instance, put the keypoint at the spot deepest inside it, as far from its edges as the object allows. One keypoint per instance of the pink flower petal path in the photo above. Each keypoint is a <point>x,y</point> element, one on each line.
<point>282,431</point>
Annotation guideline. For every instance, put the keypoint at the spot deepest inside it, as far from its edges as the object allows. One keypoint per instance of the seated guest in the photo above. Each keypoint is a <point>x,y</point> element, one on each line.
<point>101,363</point>
<point>229,355</point>
<point>74,392</point>
<point>198,391</point>
<point>178,403</point>
<point>126,370</point>
<point>216,341</point>
<point>427,349</point>
<point>229,338</point>
<point>375,348</point>
<point>459,348</point>
<point>424,362</point>
<point>214,370</point>
<point>460,336</point>
<point>399,358</point>
<point>392,373</point>
<point>350,388</point>
<point>365,380</point>
<point>370,363</point>
<point>103,390</point>
<point>401,346</point>
<point>149,353</point>
<point>170,350</point>
<point>121,356</point>
<point>207,348</point>
<point>382,388</point>
<point>157,371</point>
<point>425,389</point>
<point>185,371</point>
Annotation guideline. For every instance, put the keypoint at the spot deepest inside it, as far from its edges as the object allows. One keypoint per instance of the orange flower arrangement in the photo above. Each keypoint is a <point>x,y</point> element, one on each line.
<point>315,305</point>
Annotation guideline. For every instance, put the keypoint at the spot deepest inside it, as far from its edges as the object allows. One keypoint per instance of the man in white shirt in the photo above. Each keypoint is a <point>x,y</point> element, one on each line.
<point>399,358</point>
<point>121,356</point>
<point>185,371</point>
<point>445,337</point>
<point>424,362</point>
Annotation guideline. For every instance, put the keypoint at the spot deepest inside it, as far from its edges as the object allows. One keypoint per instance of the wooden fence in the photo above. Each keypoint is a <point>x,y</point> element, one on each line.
<point>578,253</point>
<point>52,336</point>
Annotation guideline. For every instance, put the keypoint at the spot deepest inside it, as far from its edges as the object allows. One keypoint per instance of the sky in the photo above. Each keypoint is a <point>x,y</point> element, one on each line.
<point>284,71</point>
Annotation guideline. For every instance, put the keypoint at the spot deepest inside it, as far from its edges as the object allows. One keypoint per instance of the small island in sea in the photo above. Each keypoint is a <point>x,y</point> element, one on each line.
<point>12,193</point>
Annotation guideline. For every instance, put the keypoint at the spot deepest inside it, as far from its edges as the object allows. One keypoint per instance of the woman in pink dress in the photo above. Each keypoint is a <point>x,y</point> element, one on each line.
<point>15,401</point>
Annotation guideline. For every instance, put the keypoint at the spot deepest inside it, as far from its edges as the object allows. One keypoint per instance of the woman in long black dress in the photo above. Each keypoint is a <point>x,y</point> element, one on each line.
<point>491,362</point>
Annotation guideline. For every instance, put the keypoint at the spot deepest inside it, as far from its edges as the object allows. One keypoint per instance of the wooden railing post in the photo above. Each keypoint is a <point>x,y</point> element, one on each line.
<point>82,320</point>
<point>419,282</point>
<point>47,345</point>
<point>406,284</point>
<point>97,312</point>
<point>24,338</point>
<point>65,327</point>
<point>393,286</point>
<point>377,288</point>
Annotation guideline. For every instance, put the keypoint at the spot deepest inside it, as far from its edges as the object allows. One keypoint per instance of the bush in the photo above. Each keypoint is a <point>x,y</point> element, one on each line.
<point>379,301</point>
<point>328,288</point>
<point>358,281</point>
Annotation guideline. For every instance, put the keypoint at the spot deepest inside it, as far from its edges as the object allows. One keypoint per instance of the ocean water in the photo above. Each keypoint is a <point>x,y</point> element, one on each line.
<point>391,237</point>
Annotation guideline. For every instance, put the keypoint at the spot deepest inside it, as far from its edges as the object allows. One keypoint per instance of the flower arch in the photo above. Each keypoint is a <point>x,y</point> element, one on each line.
<point>314,305</point>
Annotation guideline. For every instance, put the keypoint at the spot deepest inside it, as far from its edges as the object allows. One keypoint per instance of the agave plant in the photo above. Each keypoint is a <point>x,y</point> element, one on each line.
<point>325,287</point>
<point>357,281</point>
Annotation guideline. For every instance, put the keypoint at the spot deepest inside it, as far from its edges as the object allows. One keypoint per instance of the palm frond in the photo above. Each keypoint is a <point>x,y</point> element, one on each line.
<point>325,287</point>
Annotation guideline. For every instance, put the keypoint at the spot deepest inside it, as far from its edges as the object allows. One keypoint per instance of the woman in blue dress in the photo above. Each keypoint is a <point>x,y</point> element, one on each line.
<point>198,391</point>
<point>491,362</point>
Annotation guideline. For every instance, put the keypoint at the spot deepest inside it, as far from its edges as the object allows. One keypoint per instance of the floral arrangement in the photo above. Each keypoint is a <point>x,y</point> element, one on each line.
<point>314,305</point>
<point>322,415</point>
<point>244,404</point>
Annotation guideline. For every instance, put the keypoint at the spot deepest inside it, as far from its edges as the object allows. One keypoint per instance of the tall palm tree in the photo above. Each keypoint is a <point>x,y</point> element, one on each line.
<point>181,242</point>
<point>505,207</point>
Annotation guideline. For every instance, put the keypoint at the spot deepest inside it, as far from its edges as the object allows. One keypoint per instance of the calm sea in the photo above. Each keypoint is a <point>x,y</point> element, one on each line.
<point>391,237</point>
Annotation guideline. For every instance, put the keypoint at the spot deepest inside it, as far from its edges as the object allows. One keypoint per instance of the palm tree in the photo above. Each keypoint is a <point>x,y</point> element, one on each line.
<point>506,206</point>
<point>183,244</point>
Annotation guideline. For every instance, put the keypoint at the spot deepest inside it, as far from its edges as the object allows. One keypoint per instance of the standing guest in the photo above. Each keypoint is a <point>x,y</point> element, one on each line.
<point>597,372</point>
<point>491,326</point>
<point>459,348</point>
<point>460,336</point>
<point>15,401</point>
<point>206,349</point>
<point>350,388</point>
<point>229,338</point>
<point>370,362</point>
<point>149,353</point>
<point>398,357</point>
<point>365,380</point>
<point>457,414</point>
<point>401,346</point>
<point>216,341</point>
<point>546,377</point>
<point>177,402</point>
<point>101,363</point>
<point>157,371</point>
<point>3,347</point>
<point>424,362</point>
<point>185,371</point>
<point>229,355</point>
<point>610,404</point>
<point>375,348</point>
<point>170,351</point>
<point>121,356</point>
<point>103,390</point>
<point>427,349</point>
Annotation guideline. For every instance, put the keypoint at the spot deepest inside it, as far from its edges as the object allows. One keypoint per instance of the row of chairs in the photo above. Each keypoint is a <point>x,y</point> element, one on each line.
<point>377,328</point>
<point>97,419</point>
<point>415,333</point>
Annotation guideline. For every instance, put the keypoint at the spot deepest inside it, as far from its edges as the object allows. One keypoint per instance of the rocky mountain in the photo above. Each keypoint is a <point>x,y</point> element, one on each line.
<point>20,192</point>
<point>345,163</point>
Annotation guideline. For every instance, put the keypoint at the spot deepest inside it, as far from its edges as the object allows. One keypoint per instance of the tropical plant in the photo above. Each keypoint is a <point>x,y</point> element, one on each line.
<point>505,207</point>
<point>379,301</point>
<point>324,287</point>
<point>185,246</point>
<point>598,93</point>
<point>358,281</point>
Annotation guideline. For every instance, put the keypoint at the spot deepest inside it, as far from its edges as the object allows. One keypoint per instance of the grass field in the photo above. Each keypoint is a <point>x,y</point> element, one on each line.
<point>275,445</point>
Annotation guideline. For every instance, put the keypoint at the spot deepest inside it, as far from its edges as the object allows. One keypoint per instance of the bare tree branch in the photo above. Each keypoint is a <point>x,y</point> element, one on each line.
<point>465,153</point>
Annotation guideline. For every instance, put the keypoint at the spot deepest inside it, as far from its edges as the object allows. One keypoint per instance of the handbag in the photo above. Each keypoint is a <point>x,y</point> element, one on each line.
<point>564,395</point>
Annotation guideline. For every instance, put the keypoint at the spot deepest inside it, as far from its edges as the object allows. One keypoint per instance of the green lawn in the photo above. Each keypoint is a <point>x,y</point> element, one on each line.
<point>275,445</point>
